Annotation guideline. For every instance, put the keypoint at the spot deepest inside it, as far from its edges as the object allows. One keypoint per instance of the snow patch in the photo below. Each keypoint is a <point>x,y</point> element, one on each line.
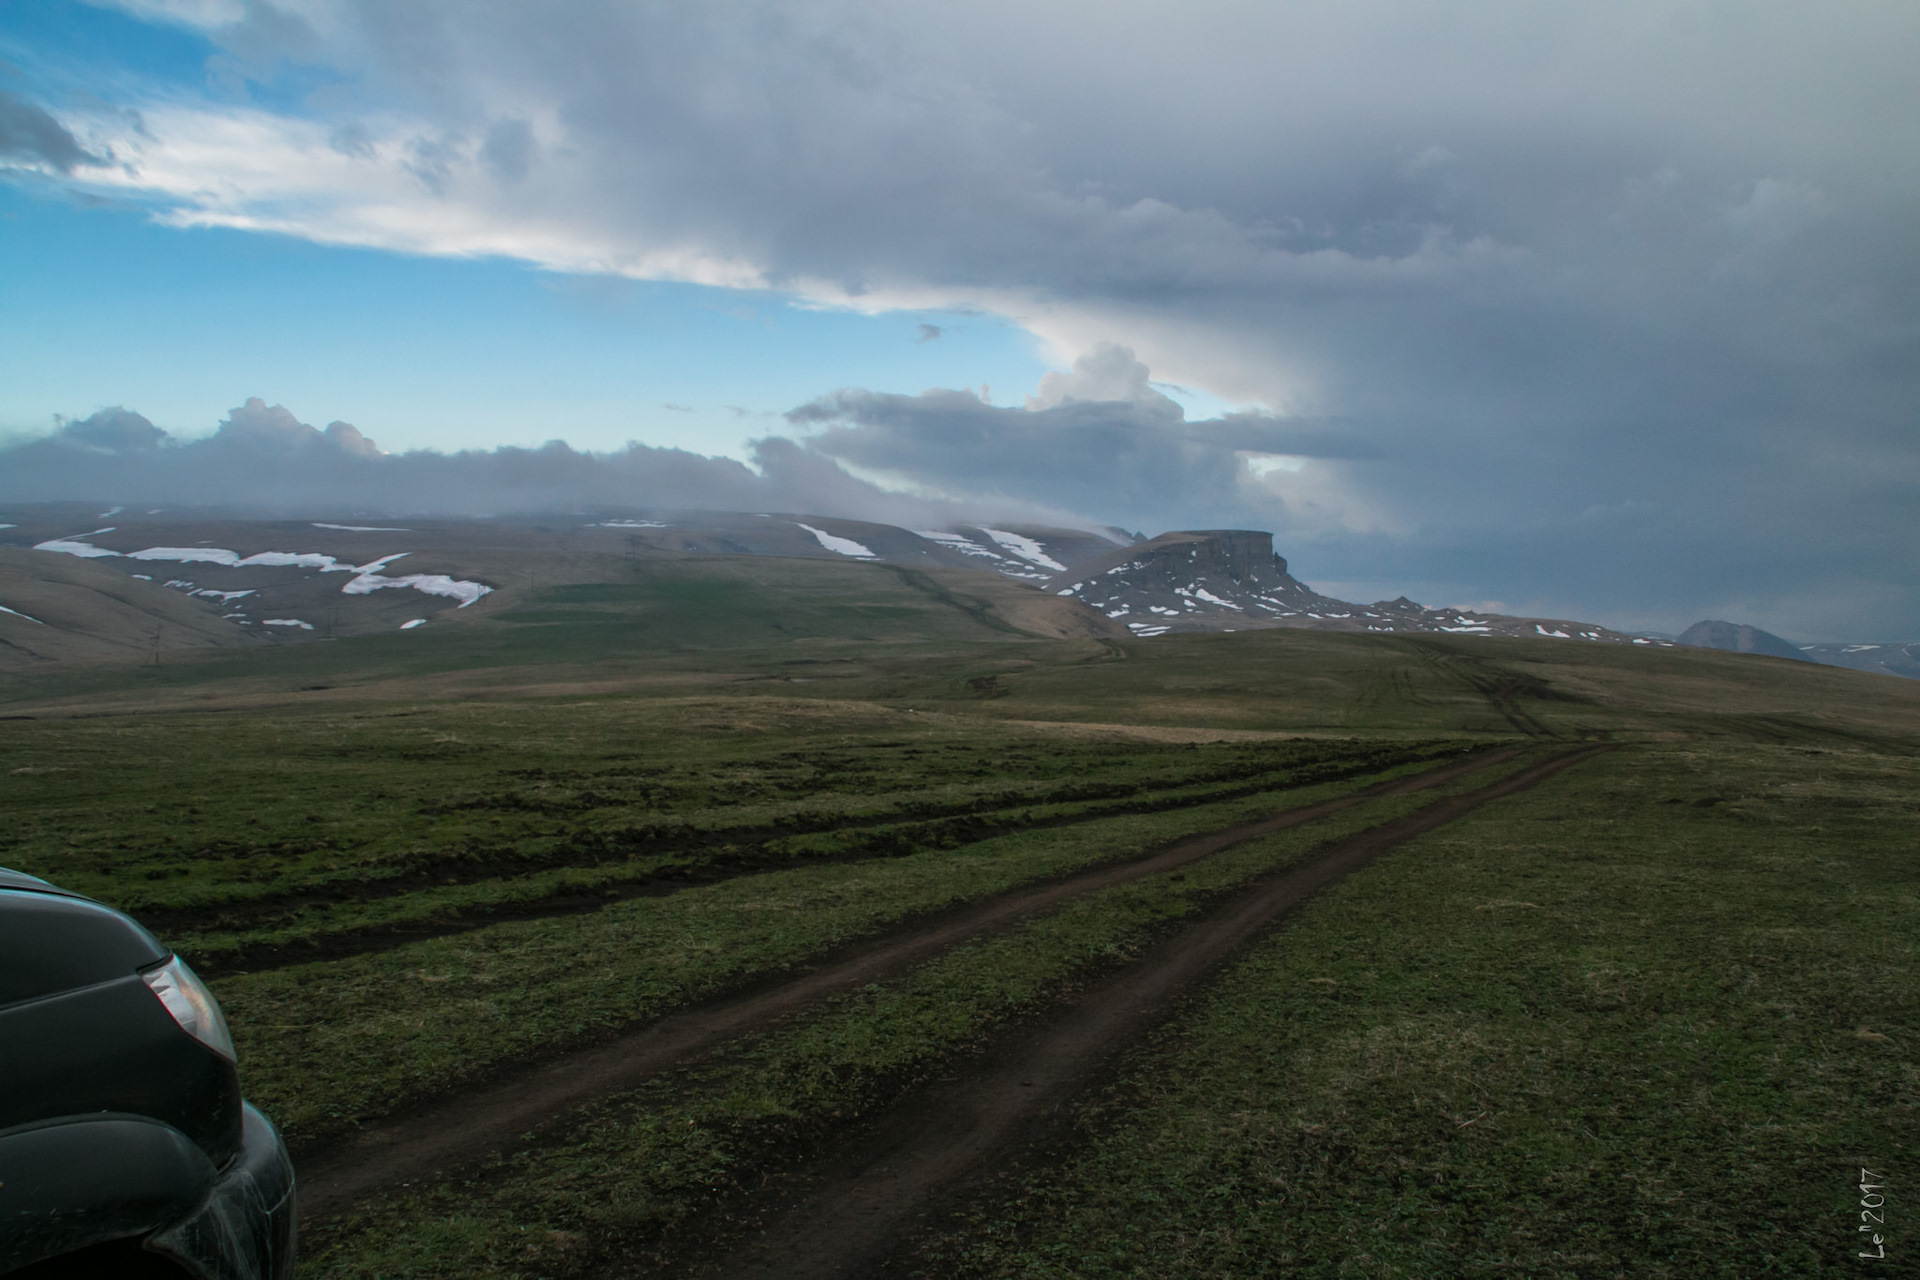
<point>411,623</point>
<point>433,584</point>
<point>295,560</point>
<point>1211,598</point>
<point>286,622</point>
<point>16,613</point>
<point>359,528</point>
<point>74,547</point>
<point>956,542</point>
<point>216,555</point>
<point>189,555</point>
<point>630,524</point>
<point>1025,548</point>
<point>845,546</point>
<point>1557,635</point>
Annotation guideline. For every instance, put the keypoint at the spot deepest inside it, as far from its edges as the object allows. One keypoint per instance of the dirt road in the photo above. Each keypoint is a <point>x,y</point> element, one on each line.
<point>842,1218</point>
<point>476,1123</point>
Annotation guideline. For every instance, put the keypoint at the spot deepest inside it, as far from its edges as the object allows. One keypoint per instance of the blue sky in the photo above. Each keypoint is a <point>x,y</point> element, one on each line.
<point>105,307</point>
<point>419,351</point>
<point>1598,310</point>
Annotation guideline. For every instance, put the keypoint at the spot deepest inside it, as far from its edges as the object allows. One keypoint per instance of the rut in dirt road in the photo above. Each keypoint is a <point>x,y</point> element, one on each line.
<point>896,831</point>
<point>854,1209</point>
<point>483,1121</point>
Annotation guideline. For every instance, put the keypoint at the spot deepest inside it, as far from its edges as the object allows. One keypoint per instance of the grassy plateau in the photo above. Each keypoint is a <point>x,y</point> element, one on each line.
<point>1648,1018</point>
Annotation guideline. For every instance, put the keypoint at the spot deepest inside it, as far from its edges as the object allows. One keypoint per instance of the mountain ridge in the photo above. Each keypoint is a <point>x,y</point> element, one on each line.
<point>247,579</point>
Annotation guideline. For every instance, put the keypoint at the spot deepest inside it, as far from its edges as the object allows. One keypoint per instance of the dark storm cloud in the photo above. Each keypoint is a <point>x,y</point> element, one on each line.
<point>28,133</point>
<point>1613,304</point>
<point>1098,440</point>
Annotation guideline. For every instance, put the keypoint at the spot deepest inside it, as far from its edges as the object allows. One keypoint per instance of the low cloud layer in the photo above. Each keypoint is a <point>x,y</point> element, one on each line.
<point>1094,445</point>
<point>263,458</point>
<point>1360,513</point>
<point>1098,441</point>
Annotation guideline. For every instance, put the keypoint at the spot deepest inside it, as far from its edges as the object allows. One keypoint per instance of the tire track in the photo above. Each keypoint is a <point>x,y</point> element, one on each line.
<point>486,1119</point>
<point>899,834</point>
<point>852,1211</point>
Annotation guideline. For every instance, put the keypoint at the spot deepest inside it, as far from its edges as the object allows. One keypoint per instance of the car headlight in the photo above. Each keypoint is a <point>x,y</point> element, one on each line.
<point>192,1005</point>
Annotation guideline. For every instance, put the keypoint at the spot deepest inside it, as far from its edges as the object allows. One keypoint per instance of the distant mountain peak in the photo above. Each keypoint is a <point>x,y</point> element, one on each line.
<point>1231,580</point>
<point>1735,637</point>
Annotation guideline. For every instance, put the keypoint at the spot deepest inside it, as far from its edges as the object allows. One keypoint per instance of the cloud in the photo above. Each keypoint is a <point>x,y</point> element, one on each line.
<point>1487,266</point>
<point>1096,441</point>
<point>262,457</point>
<point>1094,446</point>
<point>29,133</point>
<point>114,430</point>
<point>509,150</point>
<point>930,332</point>
<point>1106,374</point>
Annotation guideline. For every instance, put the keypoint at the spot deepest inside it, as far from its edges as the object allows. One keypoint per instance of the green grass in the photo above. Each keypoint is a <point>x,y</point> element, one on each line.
<point>634,1166</point>
<point>819,631</point>
<point>1611,1027</point>
<point>333,1044</point>
<point>1655,1003</point>
<point>659,614</point>
<point>240,831</point>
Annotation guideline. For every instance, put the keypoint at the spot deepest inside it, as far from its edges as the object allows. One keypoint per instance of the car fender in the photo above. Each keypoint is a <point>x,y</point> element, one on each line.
<point>77,1181</point>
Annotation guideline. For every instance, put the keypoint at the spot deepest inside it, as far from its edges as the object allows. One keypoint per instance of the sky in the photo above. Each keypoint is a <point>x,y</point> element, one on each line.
<point>1607,311</point>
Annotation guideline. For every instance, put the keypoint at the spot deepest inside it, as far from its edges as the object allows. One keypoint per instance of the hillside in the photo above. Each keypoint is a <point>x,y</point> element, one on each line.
<point>1231,580</point>
<point>1882,659</point>
<point>65,609</point>
<point>1737,638</point>
<point>115,588</point>
<point>1901,660</point>
<point>79,585</point>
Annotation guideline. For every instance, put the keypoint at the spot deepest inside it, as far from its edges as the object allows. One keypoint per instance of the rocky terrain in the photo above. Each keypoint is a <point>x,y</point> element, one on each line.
<point>1230,580</point>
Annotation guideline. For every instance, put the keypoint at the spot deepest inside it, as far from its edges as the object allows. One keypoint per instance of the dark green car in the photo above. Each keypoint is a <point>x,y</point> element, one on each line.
<point>125,1146</point>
